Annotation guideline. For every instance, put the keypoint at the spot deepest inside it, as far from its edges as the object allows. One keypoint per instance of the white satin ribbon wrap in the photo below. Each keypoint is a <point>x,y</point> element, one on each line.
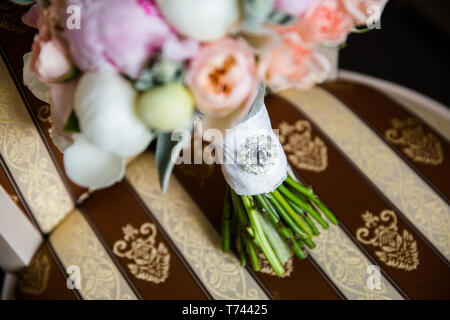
<point>257,122</point>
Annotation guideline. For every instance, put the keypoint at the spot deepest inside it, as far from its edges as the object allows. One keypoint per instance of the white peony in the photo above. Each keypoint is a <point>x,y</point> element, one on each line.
<point>105,107</point>
<point>90,167</point>
<point>201,19</point>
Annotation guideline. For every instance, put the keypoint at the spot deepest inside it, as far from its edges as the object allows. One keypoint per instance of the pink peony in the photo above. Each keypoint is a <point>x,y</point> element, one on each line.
<point>293,64</point>
<point>179,49</point>
<point>116,35</point>
<point>222,76</point>
<point>293,7</point>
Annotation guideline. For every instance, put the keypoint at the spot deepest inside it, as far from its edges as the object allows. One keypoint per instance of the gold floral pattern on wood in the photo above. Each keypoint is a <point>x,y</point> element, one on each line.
<point>192,234</point>
<point>34,279</point>
<point>397,249</point>
<point>417,145</point>
<point>302,150</point>
<point>266,268</point>
<point>28,160</point>
<point>76,243</point>
<point>346,266</point>
<point>420,203</point>
<point>151,262</point>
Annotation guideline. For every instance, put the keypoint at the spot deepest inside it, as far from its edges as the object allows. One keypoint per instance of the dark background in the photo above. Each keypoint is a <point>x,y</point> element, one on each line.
<point>412,48</point>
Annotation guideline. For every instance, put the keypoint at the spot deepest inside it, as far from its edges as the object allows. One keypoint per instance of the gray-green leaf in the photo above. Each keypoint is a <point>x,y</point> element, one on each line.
<point>257,11</point>
<point>167,152</point>
<point>282,249</point>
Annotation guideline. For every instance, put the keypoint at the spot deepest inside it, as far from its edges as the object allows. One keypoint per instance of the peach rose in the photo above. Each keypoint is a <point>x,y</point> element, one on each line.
<point>294,63</point>
<point>326,22</point>
<point>222,77</point>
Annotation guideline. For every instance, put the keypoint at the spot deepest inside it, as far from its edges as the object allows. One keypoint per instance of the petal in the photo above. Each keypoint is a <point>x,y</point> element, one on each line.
<point>61,141</point>
<point>261,38</point>
<point>228,122</point>
<point>177,50</point>
<point>105,106</point>
<point>31,17</point>
<point>62,95</point>
<point>36,86</point>
<point>208,20</point>
<point>91,167</point>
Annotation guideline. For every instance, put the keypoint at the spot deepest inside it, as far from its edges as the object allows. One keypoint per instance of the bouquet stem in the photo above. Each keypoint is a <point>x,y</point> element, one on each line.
<point>290,213</point>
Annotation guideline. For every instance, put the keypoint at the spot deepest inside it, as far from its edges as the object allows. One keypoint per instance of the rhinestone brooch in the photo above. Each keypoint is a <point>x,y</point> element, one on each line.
<point>258,154</point>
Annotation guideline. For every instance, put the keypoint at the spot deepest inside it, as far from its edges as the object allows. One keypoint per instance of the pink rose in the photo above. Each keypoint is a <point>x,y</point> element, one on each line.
<point>293,63</point>
<point>361,10</point>
<point>293,7</point>
<point>326,21</point>
<point>222,76</point>
<point>50,59</point>
<point>116,35</point>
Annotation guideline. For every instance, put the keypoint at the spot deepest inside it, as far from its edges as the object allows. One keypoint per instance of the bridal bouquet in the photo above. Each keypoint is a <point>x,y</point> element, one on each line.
<point>120,73</point>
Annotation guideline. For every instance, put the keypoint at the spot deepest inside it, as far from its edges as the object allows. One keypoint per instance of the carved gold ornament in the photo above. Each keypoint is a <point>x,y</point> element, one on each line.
<point>398,250</point>
<point>34,279</point>
<point>266,268</point>
<point>14,198</point>
<point>44,114</point>
<point>302,150</point>
<point>417,145</point>
<point>151,261</point>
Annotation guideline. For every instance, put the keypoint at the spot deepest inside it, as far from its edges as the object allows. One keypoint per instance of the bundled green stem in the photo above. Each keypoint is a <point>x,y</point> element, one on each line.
<point>290,213</point>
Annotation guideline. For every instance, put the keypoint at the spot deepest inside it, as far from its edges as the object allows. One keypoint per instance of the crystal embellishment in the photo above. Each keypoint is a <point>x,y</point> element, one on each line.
<point>258,154</point>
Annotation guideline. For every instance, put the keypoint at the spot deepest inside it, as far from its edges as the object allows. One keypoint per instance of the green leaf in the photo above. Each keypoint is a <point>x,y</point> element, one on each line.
<point>72,124</point>
<point>69,76</point>
<point>167,152</point>
<point>281,18</point>
<point>360,30</point>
